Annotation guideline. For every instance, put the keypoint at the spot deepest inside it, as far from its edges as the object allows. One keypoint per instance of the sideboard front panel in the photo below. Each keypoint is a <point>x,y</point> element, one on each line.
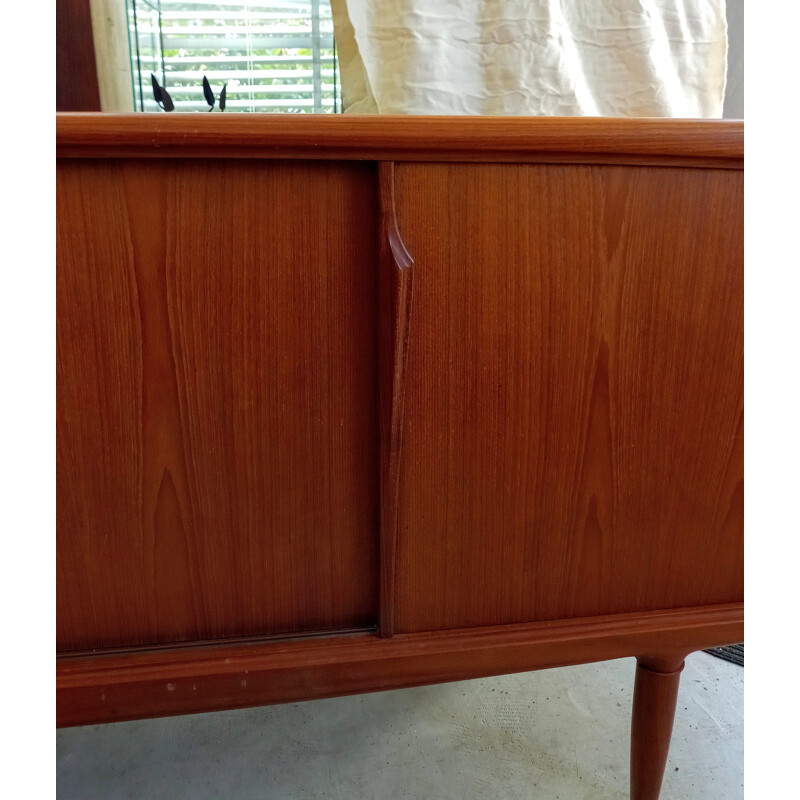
<point>572,433</point>
<point>217,415</point>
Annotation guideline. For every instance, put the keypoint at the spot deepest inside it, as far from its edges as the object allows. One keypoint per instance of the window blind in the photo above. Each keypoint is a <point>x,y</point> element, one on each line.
<point>274,56</point>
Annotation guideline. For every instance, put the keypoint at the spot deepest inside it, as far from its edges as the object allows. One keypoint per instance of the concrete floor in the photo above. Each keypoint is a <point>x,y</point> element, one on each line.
<point>553,734</point>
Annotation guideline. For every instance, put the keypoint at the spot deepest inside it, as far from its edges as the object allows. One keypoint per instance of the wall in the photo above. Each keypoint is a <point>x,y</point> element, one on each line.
<point>734,91</point>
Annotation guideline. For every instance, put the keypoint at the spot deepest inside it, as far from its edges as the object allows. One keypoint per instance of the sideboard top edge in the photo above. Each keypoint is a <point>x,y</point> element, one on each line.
<point>399,138</point>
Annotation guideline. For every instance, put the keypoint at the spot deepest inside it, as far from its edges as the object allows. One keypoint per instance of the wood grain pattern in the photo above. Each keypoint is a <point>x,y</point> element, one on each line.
<point>111,688</point>
<point>547,444</point>
<point>217,385</point>
<point>667,142</point>
<point>77,87</point>
<point>573,414</point>
<point>396,285</point>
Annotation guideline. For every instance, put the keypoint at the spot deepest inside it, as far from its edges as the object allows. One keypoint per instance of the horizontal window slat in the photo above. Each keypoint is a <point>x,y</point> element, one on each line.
<point>290,6</point>
<point>227,59</point>
<point>190,105</point>
<point>254,14</point>
<point>231,59</point>
<point>238,91</point>
<point>234,30</point>
<point>242,43</point>
<point>243,74</point>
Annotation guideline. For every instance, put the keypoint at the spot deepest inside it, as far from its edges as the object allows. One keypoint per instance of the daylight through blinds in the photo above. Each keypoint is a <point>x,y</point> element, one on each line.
<point>274,56</point>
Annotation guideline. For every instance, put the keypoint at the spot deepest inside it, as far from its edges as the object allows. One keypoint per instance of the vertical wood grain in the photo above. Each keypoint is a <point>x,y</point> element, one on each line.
<point>572,434</point>
<point>99,439</point>
<point>217,415</point>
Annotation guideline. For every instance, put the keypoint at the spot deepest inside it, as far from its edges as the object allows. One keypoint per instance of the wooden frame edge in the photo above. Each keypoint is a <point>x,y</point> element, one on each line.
<point>605,140</point>
<point>113,688</point>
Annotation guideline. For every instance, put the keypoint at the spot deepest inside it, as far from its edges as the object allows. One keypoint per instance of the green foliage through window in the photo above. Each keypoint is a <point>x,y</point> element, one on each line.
<point>274,56</point>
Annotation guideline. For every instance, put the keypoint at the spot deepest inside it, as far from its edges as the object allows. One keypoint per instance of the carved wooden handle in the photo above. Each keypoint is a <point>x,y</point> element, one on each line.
<point>396,290</point>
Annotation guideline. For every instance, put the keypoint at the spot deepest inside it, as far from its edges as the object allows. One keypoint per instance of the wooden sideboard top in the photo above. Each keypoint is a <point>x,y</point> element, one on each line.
<point>667,142</point>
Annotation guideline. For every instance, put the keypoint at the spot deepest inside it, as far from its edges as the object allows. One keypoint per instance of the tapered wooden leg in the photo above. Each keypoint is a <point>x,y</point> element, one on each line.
<point>655,694</point>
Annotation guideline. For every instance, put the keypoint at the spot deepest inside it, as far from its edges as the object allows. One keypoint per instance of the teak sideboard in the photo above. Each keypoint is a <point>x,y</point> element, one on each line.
<point>359,403</point>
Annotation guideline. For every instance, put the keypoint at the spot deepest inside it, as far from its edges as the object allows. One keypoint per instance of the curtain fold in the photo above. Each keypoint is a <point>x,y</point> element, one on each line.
<point>620,58</point>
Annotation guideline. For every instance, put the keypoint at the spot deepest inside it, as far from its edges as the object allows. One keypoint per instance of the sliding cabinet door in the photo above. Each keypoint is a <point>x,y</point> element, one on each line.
<point>217,414</point>
<point>572,425</point>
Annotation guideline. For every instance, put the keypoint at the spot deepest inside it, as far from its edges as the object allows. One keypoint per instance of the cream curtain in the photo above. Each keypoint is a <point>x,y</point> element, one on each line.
<point>614,58</point>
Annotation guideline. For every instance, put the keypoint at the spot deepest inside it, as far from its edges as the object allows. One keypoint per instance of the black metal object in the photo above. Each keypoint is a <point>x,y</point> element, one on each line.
<point>161,95</point>
<point>164,100</point>
<point>207,93</point>
<point>733,653</point>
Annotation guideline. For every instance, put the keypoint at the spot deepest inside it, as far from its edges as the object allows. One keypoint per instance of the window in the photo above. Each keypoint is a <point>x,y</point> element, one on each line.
<point>274,56</point>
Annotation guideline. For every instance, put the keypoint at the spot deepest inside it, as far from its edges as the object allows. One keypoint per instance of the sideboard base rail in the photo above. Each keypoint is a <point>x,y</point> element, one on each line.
<point>125,686</point>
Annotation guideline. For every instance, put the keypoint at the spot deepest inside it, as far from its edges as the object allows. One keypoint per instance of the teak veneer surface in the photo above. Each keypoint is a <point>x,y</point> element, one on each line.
<point>217,415</point>
<point>482,399</point>
<point>572,438</point>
